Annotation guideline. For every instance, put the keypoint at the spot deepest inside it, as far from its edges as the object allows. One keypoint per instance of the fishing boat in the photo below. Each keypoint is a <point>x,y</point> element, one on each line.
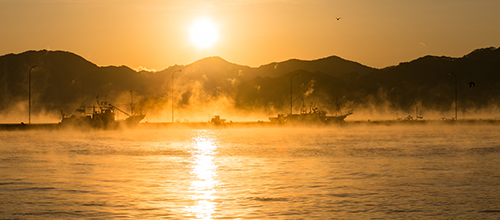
<point>101,117</point>
<point>216,120</point>
<point>312,116</point>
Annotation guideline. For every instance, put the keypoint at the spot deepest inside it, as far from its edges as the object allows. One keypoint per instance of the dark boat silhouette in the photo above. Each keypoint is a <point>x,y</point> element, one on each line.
<point>101,117</point>
<point>216,120</point>
<point>313,116</point>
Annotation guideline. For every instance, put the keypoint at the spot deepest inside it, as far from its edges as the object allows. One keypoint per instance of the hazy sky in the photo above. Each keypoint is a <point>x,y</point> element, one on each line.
<point>156,33</point>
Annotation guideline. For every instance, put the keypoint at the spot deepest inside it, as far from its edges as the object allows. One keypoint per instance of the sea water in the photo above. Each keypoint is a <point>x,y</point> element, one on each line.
<point>336,172</point>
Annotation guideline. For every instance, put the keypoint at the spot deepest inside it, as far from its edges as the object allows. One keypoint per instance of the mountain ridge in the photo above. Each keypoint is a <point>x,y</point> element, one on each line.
<point>64,80</point>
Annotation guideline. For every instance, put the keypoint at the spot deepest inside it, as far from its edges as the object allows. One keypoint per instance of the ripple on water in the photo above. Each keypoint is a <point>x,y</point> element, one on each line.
<point>344,173</point>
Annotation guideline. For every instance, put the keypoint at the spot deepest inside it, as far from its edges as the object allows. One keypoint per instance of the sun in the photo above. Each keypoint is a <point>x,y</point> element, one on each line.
<point>203,33</point>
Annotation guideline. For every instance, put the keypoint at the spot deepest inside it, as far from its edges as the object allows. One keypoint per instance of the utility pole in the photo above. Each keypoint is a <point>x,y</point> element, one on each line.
<point>456,95</point>
<point>29,95</point>
<point>131,102</point>
<point>173,94</point>
<point>291,102</point>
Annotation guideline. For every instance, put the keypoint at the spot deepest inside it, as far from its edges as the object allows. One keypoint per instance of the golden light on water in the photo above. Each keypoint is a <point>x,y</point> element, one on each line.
<point>203,173</point>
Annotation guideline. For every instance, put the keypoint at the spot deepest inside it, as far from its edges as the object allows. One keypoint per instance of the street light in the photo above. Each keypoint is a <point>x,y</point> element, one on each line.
<point>173,94</point>
<point>291,80</point>
<point>456,95</point>
<point>29,94</point>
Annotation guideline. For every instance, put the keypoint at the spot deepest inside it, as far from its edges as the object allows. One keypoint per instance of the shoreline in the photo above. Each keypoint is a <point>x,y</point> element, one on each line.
<point>204,125</point>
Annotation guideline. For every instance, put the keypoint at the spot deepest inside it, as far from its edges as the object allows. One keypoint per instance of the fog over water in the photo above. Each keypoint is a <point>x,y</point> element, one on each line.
<point>346,172</point>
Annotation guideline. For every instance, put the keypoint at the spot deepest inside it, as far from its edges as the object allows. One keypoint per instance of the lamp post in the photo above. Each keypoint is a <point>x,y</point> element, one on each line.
<point>29,94</point>
<point>456,95</point>
<point>173,94</point>
<point>291,80</point>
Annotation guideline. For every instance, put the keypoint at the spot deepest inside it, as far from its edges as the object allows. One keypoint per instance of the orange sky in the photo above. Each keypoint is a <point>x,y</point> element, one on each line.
<point>155,33</point>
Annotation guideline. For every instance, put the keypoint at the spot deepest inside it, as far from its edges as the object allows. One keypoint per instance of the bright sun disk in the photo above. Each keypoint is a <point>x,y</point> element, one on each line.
<point>203,33</point>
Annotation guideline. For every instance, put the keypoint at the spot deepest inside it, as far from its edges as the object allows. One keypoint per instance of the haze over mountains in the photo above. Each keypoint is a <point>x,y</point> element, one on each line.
<point>64,81</point>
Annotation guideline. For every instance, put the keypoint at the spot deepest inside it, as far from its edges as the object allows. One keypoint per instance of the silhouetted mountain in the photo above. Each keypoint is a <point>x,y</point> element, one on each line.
<point>61,80</point>
<point>429,82</point>
<point>64,80</point>
<point>334,66</point>
<point>214,74</point>
<point>307,87</point>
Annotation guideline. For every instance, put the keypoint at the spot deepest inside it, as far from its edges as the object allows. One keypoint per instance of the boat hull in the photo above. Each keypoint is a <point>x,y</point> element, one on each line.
<point>309,118</point>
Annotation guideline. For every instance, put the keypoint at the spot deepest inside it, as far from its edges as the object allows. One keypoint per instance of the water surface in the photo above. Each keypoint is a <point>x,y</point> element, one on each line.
<point>343,172</point>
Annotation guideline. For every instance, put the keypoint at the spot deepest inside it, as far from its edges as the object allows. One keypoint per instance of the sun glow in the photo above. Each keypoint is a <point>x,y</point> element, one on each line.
<point>203,33</point>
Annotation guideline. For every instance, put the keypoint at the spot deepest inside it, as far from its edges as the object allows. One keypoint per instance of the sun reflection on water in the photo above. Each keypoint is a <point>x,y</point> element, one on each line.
<point>203,174</point>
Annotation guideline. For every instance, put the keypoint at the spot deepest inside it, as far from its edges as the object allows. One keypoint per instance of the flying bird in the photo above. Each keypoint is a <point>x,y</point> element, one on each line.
<point>471,84</point>
<point>338,18</point>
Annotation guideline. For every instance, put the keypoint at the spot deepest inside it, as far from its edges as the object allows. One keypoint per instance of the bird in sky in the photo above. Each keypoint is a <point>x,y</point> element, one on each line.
<point>338,18</point>
<point>471,84</point>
